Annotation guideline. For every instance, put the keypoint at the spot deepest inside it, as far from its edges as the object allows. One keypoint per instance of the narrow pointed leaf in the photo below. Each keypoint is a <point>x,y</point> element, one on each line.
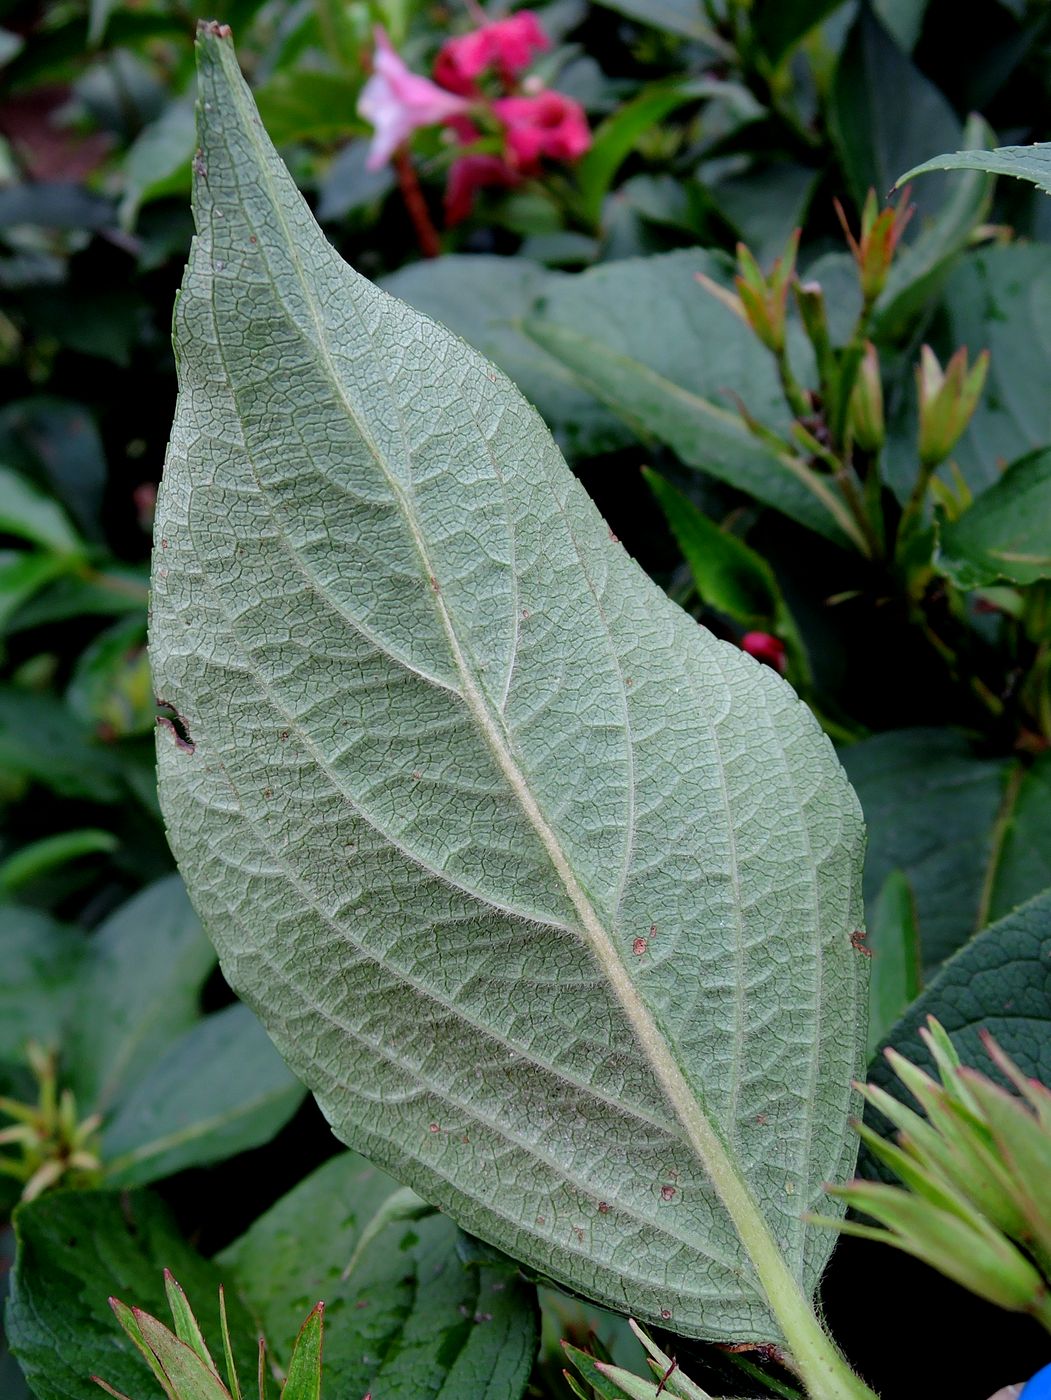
<point>189,1376</point>
<point>186,1326</point>
<point>304,1370</point>
<point>547,894</point>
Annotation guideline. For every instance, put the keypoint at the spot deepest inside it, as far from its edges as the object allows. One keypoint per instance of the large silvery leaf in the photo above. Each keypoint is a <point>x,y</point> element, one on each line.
<point>546,894</point>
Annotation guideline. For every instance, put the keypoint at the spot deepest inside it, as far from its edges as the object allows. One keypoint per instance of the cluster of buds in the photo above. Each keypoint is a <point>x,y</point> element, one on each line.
<point>183,1365</point>
<point>479,88</point>
<point>948,399</point>
<point>866,403</point>
<point>764,298</point>
<point>52,1146</point>
<point>873,250</point>
<point>977,1170</point>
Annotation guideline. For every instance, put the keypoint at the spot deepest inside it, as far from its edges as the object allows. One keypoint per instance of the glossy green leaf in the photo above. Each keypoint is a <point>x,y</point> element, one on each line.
<point>671,359</point>
<point>1006,533</point>
<point>779,27</point>
<point>405,1317</point>
<point>546,893</point>
<point>220,1089</point>
<point>486,299</point>
<point>1032,163</point>
<point>75,1250</point>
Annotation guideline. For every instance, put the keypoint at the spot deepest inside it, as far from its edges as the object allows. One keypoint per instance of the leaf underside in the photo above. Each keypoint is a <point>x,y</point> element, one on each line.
<point>496,840</point>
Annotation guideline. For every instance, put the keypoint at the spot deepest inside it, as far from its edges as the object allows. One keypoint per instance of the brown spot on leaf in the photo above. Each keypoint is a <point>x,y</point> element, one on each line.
<point>639,947</point>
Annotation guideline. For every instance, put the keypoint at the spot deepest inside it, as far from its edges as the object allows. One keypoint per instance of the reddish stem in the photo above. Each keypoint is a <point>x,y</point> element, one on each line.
<point>412,195</point>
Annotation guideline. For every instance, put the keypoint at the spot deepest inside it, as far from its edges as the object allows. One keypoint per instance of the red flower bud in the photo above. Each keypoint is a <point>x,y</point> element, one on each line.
<point>766,648</point>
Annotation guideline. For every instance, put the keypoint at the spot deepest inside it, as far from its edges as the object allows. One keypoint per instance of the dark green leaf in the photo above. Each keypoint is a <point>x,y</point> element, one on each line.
<point>931,810</point>
<point>158,162</point>
<point>1006,533</point>
<point>685,17</point>
<point>30,862</point>
<point>409,1319</point>
<point>1000,983</point>
<point>999,299</point>
<point>485,300</point>
<point>42,961</point>
<point>138,992</point>
<point>921,267</point>
<point>110,687</point>
<point>75,1250</point>
<point>57,441</point>
<point>616,137</point>
<point>893,941</point>
<point>42,741</point>
<point>886,114</point>
<point>220,1089</point>
<point>1023,864</point>
<point>778,25</point>
<point>728,575</point>
<point>670,358</point>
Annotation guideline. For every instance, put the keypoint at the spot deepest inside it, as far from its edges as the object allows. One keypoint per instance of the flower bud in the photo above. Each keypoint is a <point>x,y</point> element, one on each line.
<point>866,403</point>
<point>874,249</point>
<point>766,648</point>
<point>948,399</point>
<point>765,299</point>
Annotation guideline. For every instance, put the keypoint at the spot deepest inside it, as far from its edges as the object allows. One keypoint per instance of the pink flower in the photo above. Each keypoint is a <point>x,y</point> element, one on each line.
<point>508,45</point>
<point>766,648</point>
<point>469,174</point>
<point>396,101</point>
<point>550,124</point>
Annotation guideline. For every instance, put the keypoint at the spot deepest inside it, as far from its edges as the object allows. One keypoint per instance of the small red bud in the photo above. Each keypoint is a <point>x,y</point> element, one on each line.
<point>765,647</point>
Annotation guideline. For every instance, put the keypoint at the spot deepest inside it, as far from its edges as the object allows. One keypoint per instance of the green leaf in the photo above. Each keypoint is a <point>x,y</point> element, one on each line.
<point>1032,163</point>
<point>670,359</point>
<point>615,138</point>
<point>999,299</point>
<point>485,299</point>
<point>1006,533</point>
<point>408,1318</point>
<point>728,575</point>
<point>110,686</point>
<point>42,741</point>
<point>885,113</point>
<point>1022,865</point>
<point>139,991</point>
<point>75,1250</point>
<point>220,1089</point>
<point>190,1377</point>
<point>919,271</point>
<point>893,940</point>
<point>779,27</point>
<point>587,1367</point>
<point>931,808</point>
<point>304,1370</point>
<point>23,574</point>
<point>41,976</point>
<point>29,513</point>
<point>684,17</point>
<point>30,862</point>
<point>997,983</point>
<point>158,160</point>
<point>541,940</point>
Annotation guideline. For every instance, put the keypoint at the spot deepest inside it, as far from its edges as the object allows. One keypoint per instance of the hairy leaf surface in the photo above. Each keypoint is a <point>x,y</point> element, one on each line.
<point>545,892</point>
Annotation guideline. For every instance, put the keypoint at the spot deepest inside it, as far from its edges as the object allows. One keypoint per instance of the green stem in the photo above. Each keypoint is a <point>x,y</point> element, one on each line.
<point>798,401</point>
